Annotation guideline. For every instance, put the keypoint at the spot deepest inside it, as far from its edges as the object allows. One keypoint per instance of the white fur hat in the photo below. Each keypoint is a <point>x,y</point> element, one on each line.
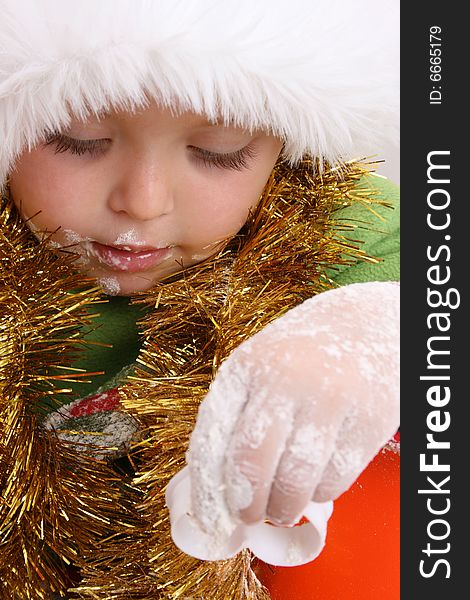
<point>322,75</point>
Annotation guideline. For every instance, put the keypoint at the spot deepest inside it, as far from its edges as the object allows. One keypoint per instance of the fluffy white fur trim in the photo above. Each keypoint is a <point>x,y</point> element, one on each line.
<point>321,75</point>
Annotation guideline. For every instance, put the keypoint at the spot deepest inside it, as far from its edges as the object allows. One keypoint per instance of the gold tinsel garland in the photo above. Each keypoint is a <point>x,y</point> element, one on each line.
<point>55,503</point>
<point>197,318</point>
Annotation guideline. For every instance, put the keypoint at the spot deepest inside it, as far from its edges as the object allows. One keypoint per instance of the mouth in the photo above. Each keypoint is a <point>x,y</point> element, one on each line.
<point>126,258</point>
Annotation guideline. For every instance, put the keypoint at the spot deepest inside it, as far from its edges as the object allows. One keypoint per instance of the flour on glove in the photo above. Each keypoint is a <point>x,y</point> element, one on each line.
<point>297,412</point>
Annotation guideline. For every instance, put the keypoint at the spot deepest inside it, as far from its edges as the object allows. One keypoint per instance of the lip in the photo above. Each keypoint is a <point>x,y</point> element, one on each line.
<point>128,259</point>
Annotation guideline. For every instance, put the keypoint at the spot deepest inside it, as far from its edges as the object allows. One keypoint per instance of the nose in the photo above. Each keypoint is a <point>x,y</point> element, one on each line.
<point>143,191</point>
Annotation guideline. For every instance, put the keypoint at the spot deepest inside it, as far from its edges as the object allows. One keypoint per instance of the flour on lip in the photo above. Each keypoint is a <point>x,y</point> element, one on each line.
<point>128,240</point>
<point>79,246</point>
<point>128,237</point>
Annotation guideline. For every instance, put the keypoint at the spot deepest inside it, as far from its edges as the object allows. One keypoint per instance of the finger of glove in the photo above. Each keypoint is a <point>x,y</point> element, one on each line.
<point>254,453</point>
<point>216,420</point>
<point>300,468</point>
<point>360,438</point>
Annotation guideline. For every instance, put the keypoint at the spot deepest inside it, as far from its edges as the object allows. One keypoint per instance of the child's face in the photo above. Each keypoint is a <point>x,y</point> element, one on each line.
<point>140,194</point>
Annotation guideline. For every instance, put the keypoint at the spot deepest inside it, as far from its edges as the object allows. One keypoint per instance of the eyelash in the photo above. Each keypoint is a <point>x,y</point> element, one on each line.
<point>78,147</point>
<point>237,160</point>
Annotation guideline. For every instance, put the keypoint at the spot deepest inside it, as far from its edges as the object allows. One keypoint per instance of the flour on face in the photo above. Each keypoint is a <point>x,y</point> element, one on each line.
<point>110,285</point>
<point>128,237</point>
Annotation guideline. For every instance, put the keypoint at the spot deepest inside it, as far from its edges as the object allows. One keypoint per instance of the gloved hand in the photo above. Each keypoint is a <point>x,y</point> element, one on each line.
<point>298,410</point>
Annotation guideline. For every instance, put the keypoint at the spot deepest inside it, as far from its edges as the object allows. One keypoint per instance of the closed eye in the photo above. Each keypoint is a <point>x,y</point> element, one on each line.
<point>238,160</point>
<point>64,143</point>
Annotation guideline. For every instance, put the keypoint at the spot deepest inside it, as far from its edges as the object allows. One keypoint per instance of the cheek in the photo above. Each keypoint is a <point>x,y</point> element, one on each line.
<point>218,207</point>
<point>40,184</point>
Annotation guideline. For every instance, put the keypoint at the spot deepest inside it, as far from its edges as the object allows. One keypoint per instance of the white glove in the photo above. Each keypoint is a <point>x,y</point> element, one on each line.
<point>298,410</point>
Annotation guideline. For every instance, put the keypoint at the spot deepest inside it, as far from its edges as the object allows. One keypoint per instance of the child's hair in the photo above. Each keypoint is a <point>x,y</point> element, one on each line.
<point>322,76</point>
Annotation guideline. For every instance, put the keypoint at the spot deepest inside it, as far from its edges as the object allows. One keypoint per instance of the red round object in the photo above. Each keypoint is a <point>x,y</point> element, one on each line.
<point>361,558</point>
